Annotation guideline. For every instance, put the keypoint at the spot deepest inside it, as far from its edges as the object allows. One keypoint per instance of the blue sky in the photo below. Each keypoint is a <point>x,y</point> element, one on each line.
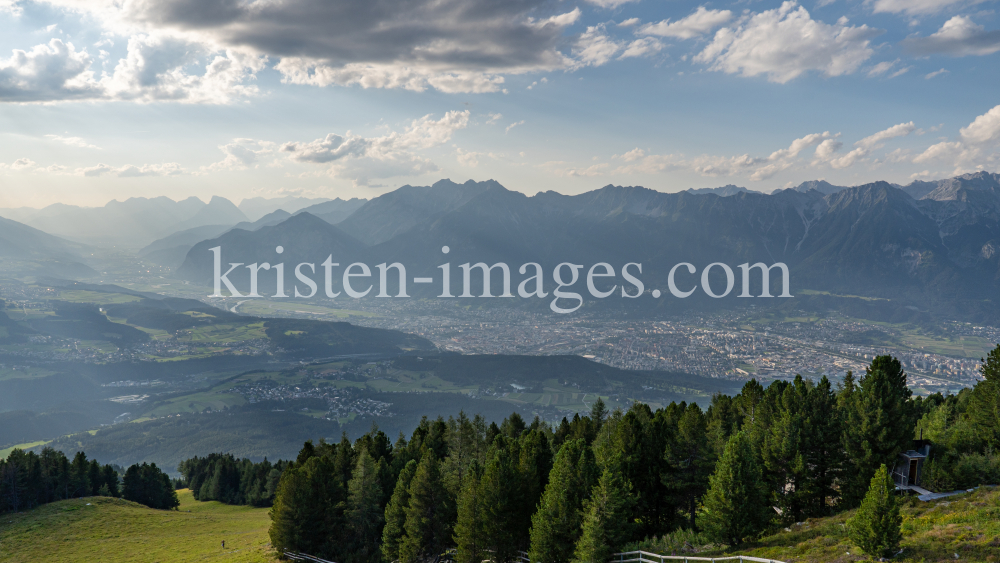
<point>105,100</point>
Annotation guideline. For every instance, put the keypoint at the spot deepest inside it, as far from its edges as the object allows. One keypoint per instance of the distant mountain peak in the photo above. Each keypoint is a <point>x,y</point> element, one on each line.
<point>821,186</point>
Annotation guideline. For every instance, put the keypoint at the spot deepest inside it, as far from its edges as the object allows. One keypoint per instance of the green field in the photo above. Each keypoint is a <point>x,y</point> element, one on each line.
<point>6,451</point>
<point>113,530</point>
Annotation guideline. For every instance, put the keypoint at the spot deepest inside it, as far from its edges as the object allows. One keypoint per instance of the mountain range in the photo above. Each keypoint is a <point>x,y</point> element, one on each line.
<point>874,240</point>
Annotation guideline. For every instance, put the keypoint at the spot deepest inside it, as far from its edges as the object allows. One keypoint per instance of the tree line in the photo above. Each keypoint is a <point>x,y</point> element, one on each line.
<point>223,478</point>
<point>28,480</point>
<point>587,487</point>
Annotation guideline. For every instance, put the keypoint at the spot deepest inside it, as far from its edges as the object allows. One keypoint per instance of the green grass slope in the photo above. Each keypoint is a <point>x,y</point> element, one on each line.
<point>106,530</point>
<point>966,525</point>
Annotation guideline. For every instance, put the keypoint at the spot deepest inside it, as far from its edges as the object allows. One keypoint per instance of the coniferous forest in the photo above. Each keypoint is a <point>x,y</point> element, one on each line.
<point>28,480</point>
<point>586,488</point>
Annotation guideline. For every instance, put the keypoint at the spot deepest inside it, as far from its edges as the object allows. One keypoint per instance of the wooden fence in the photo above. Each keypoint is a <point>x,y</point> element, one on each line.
<point>624,557</point>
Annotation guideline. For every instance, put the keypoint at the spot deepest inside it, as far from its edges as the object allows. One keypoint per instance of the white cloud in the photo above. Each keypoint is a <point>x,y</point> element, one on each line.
<point>882,68</point>
<point>10,7</point>
<point>55,71</point>
<point>919,7</point>
<point>629,22</point>
<point>352,156</point>
<point>494,117</point>
<point>930,75</point>
<point>513,125</point>
<point>698,23</point>
<point>131,171</point>
<point>899,130</point>
<point>609,3</point>
<point>242,154</point>
<point>595,47</point>
<point>958,37</point>
<point>642,47</point>
<point>786,42</point>
<point>155,69</point>
<point>22,163</point>
<point>983,129</point>
<point>72,141</point>
<point>979,137</point>
<point>800,144</point>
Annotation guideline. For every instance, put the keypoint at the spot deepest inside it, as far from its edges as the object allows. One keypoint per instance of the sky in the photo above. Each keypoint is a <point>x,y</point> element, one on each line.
<point>111,99</point>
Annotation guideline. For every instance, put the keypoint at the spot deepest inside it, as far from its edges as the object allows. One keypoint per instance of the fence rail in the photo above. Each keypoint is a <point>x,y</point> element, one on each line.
<point>647,557</point>
<point>624,557</point>
<point>304,557</point>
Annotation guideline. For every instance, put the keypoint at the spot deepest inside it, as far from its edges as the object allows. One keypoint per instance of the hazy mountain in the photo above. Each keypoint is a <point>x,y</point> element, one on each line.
<point>256,207</point>
<point>304,238</point>
<point>170,250</point>
<point>335,211</point>
<point>873,240</point>
<point>133,223</point>
<point>821,186</point>
<point>724,191</point>
<point>218,211</point>
<point>402,209</point>
<point>24,249</point>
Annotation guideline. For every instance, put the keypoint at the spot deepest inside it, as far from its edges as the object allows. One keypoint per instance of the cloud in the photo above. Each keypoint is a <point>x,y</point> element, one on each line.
<point>698,23</point>
<point>54,71</point>
<point>513,125</point>
<point>447,45</point>
<point>983,129</point>
<point>494,117</point>
<point>131,171</point>
<point>22,163</point>
<point>72,141</point>
<point>641,48</point>
<point>154,69</point>
<point>900,130</point>
<point>918,7</point>
<point>786,42</point>
<point>352,156</point>
<point>242,154</point>
<point>930,75</point>
<point>800,144</point>
<point>980,136</point>
<point>609,3</point>
<point>958,37</point>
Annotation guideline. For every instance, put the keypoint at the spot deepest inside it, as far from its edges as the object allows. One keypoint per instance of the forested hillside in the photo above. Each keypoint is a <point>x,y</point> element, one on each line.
<point>749,464</point>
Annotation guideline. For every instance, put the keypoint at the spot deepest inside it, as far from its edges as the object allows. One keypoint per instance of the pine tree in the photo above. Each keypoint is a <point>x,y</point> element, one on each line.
<point>428,514</point>
<point>470,528</point>
<point>365,514</point>
<point>984,403</point>
<point>502,494</point>
<point>690,460</point>
<point>879,424</point>
<point>606,524</point>
<point>875,528</point>
<point>395,513</point>
<point>736,503</point>
<point>822,450</point>
<point>533,468</point>
<point>556,526</point>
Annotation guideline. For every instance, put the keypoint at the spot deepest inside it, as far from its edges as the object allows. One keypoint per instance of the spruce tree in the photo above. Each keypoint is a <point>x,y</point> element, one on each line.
<point>395,513</point>
<point>822,450</point>
<point>875,528</point>
<point>470,527</point>
<point>736,506</point>
<point>606,523</point>
<point>556,526</point>
<point>984,403</point>
<point>502,495</point>
<point>690,459</point>
<point>879,425</point>
<point>365,514</point>
<point>428,514</point>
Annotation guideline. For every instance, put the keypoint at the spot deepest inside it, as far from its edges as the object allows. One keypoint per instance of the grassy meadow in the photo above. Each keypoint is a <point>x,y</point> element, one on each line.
<point>107,530</point>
